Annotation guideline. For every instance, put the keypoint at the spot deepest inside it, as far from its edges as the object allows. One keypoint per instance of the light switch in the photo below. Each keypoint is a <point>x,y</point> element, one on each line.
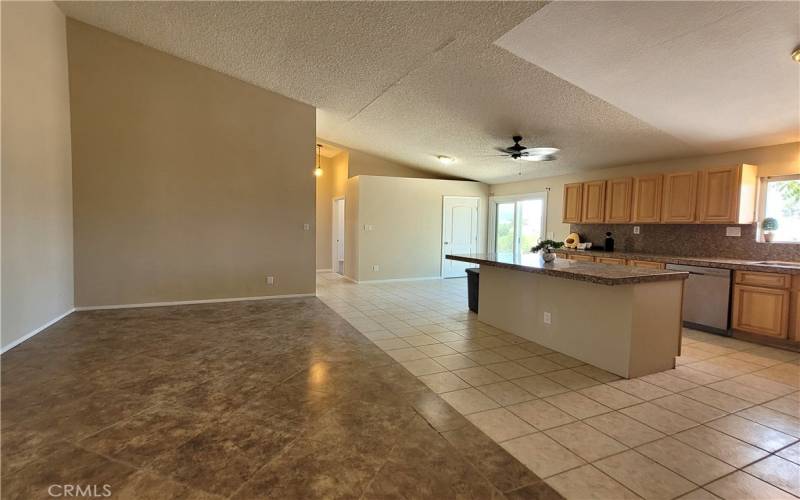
<point>306,227</point>
<point>733,231</point>
<point>636,230</point>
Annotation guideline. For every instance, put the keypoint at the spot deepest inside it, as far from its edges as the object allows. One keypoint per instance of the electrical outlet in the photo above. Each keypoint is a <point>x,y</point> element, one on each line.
<point>376,267</point>
<point>636,230</point>
<point>306,227</point>
<point>270,280</point>
<point>733,231</point>
<point>548,319</point>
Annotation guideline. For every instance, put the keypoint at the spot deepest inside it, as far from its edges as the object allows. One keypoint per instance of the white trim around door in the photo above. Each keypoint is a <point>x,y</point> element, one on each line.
<point>494,201</point>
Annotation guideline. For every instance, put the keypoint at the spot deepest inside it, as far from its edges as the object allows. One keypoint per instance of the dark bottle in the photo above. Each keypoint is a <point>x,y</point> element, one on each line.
<point>609,244</point>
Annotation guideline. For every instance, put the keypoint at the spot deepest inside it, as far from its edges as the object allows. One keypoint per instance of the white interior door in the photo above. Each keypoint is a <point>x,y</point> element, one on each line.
<point>338,235</point>
<point>459,233</point>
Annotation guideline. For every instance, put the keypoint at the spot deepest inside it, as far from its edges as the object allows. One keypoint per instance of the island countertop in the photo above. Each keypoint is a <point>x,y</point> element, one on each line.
<point>603,274</point>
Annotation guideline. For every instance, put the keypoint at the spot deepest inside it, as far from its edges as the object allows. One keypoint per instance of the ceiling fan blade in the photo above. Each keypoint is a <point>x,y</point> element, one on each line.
<point>541,151</point>
<point>529,157</point>
<point>504,150</point>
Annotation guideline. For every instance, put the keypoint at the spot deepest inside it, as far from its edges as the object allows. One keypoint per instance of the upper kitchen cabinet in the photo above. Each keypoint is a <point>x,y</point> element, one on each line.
<point>647,199</point>
<point>593,202</point>
<point>679,198</point>
<point>573,197</point>
<point>728,195</point>
<point>618,200</point>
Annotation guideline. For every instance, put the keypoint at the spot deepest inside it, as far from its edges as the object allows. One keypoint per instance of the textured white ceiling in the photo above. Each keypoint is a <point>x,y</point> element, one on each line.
<point>717,75</point>
<point>404,80</point>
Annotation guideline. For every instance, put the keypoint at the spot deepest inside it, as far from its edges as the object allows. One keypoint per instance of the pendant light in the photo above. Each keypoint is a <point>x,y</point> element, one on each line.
<point>318,170</point>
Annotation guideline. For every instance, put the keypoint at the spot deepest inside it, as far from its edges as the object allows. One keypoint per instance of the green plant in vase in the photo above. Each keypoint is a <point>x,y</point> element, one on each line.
<point>546,248</point>
<point>768,225</point>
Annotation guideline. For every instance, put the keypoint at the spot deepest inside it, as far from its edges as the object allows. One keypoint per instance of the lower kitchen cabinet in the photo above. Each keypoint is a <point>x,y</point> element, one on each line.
<point>609,260</point>
<point>582,258</point>
<point>761,310</point>
<point>646,264</point>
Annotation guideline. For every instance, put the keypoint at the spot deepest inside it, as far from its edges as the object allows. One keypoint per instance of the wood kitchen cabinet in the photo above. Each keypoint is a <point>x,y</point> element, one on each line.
<point>573,198</point>
<point>582,258</point>
<point>679,195</point>
<point>763,309</point>
<point>646,264</point>
<point>728,195</point>
<point>618,200</point>
<point>593,202</point>
<point>610,260</point>
<point>647,199</point>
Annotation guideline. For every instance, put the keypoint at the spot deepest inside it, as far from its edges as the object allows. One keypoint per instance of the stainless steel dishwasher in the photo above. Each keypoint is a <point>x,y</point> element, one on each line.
<point>706,298</point>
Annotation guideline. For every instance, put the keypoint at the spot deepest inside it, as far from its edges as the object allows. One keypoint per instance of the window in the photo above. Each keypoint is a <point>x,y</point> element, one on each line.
<point>780,200</point>
<point>516,224</point>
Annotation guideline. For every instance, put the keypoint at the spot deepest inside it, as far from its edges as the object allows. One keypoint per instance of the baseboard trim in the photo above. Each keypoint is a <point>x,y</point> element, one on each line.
<point>395,280</point>
<point>38,330</point>
<point>189,302</point>
<point>324,270</point>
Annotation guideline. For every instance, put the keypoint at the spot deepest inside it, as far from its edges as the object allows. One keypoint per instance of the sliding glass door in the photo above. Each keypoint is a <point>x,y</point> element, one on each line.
<point>518,224</point>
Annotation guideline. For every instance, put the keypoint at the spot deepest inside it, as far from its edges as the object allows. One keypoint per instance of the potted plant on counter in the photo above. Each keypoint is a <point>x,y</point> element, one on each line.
<point>768,225</point>
<point>546,248</point>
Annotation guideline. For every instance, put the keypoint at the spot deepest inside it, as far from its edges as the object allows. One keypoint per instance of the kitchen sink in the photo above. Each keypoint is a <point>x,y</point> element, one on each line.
<point>779,263</point>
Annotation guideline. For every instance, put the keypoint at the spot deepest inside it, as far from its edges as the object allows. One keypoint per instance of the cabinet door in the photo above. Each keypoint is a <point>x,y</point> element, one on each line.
<point>572,203</point>
<point>647,264</point>
<point>618,200</point>
<point>719,195</point>
<point>764,311</point>
<point>593,203</point>
<point>647,199</point>
<point>582,258</point>
<point>680,197</point>
<point>609,260</point>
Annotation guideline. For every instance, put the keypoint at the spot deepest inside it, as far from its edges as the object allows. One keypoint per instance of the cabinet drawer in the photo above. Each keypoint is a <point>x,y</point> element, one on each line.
<point>647,264</point>
<point>764,311</point>
<point>768,280</point>
<point>609,260</point>
<point>582,258</point>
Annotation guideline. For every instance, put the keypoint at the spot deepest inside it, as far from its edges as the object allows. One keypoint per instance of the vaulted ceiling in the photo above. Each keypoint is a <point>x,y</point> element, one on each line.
<point>607,82</point>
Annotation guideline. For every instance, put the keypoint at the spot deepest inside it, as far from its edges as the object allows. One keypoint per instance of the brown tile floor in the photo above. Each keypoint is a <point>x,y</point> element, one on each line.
<point>270,399</point>
<point>724,424</point>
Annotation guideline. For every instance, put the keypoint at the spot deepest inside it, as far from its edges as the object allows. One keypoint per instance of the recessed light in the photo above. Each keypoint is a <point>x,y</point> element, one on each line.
<point>447,160</point>
<point>796,54</point>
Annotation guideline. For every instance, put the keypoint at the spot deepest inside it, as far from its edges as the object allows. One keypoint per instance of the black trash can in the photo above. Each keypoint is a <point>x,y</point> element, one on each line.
<point>473,277</point>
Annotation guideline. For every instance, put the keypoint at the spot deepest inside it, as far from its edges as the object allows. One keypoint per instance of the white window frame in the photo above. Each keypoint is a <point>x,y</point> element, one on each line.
<point>491,235</point>
<point>762,205</point>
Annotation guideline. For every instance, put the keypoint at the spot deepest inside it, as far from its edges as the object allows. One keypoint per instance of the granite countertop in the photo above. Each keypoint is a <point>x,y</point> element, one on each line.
<point>734,264</point>
<point>603,274</point>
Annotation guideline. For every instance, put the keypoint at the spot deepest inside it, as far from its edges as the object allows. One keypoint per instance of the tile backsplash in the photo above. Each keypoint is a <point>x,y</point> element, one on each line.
<point>689,240</point>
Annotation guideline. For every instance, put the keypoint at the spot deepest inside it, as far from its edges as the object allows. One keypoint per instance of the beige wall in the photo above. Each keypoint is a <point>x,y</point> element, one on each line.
<point>324,195</point>
<point>351,233</point>
<point>188,184</point>
<point>406,216</point>
<point>366,164</point>
<point>37,276</point>
<point>773,160</point>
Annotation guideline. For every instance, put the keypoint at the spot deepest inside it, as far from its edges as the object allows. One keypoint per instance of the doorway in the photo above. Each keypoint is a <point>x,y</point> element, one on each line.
<point>516,223</point>
<point>337,236</point>
<point>459,233</point>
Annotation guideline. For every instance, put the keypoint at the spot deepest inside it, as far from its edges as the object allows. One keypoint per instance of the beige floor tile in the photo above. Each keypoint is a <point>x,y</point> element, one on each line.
<point>390,344</point>
<point>726,448</point>
<point>446,337</point>
<point>500,424</point>
<point>541,414</point>
<point>538,364</point>
<point>455,361</point>
<point>755,358</point>
<point>597,373</point>
<point>690,463</point>
<point>699,494</point>
<point>485,357</point>
<point>752,433</point>
<point>478,375</point>
<point>669,382</point>
<point>424,366</point>
<point>540,386</point>
<point>771,418</point>
<point>764,384</point>
<point>406,354</point>
<point>435,350</point>
<point>492,342</point>
<point>717,399</point>
<point>467,401</point>
<point>512,352</point>
<point>789,405</point>
<point>787,374</point>
<point>715,349</point>
<point>778,472</point>
<point>725,367</point>
<point>658,418</point>
<point>692,352</point>
<point>624,429</point>
<point>640,389</point>
<point>510,370</point>
<point>791,453</point>
<point>443,382</point>
<point>588,483</point>
<point>432,328</point>
<point>743,486</point>
<point>379,335</point>
<point>506,393</point>
<point>585,441</point>
<point>644,476</point>
<point>571,379</point>
<point>741,391</point>
<point>463,346</point>
<point>542,455</point>
<point>563,360</point>
<point>534,348</point>
<point>611,397</point>
<point>577,405</point>
<point>689,408</point>
<point>692,375</point>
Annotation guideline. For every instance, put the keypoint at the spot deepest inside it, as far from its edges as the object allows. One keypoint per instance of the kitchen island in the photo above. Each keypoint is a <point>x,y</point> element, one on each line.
<point>624,320</point>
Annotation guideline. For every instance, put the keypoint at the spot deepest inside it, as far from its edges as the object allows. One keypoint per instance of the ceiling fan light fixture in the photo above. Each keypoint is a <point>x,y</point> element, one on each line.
<point>796,54</point>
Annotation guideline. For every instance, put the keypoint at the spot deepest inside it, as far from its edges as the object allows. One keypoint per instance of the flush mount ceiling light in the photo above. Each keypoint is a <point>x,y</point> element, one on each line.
<point>447,160</point>
<point>796,54</point>
<point>318,170</point>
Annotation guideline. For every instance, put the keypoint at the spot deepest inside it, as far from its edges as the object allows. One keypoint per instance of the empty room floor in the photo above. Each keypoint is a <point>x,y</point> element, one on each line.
<point>403,393</point>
